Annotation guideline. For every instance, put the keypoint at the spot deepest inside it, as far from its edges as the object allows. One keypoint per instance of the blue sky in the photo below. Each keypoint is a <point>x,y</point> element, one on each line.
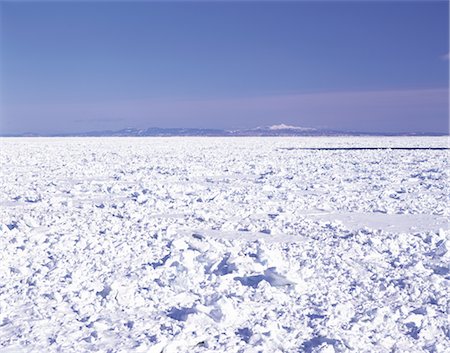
<point>365,66</point>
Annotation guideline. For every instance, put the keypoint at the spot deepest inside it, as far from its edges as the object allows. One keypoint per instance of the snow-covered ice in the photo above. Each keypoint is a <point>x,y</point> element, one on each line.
<point>224,244</point>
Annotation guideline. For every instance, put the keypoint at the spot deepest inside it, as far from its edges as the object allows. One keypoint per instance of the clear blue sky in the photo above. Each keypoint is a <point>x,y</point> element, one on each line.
<point>367,66</point>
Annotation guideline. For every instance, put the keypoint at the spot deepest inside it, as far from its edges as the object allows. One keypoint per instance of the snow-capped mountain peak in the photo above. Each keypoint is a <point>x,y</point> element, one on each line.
<point>290,127</point>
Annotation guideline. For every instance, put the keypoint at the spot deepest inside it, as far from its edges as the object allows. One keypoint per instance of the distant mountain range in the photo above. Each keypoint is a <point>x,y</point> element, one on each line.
<point>274,130</point>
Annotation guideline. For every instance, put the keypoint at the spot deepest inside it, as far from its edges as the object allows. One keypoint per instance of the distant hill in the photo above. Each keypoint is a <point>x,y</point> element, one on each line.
<point>273,130</point>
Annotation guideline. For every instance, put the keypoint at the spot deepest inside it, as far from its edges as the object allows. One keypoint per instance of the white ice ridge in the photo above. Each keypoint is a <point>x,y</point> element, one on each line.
<point>223,244</point>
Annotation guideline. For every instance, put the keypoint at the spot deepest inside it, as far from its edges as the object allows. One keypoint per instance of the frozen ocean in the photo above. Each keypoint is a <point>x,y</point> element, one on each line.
<point>201,244</point>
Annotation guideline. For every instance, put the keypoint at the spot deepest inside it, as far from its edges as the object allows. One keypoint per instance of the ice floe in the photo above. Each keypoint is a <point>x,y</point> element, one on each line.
<point>224,244</point>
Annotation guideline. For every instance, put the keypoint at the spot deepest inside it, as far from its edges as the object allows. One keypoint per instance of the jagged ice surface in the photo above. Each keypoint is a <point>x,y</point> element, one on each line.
<point>223,244</point>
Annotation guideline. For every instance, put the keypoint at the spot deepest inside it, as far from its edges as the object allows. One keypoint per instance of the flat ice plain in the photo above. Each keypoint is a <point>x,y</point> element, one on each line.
<point>224,244</point>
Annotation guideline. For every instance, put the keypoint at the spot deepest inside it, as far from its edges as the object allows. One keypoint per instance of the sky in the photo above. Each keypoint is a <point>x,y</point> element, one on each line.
<point>363,66</point>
